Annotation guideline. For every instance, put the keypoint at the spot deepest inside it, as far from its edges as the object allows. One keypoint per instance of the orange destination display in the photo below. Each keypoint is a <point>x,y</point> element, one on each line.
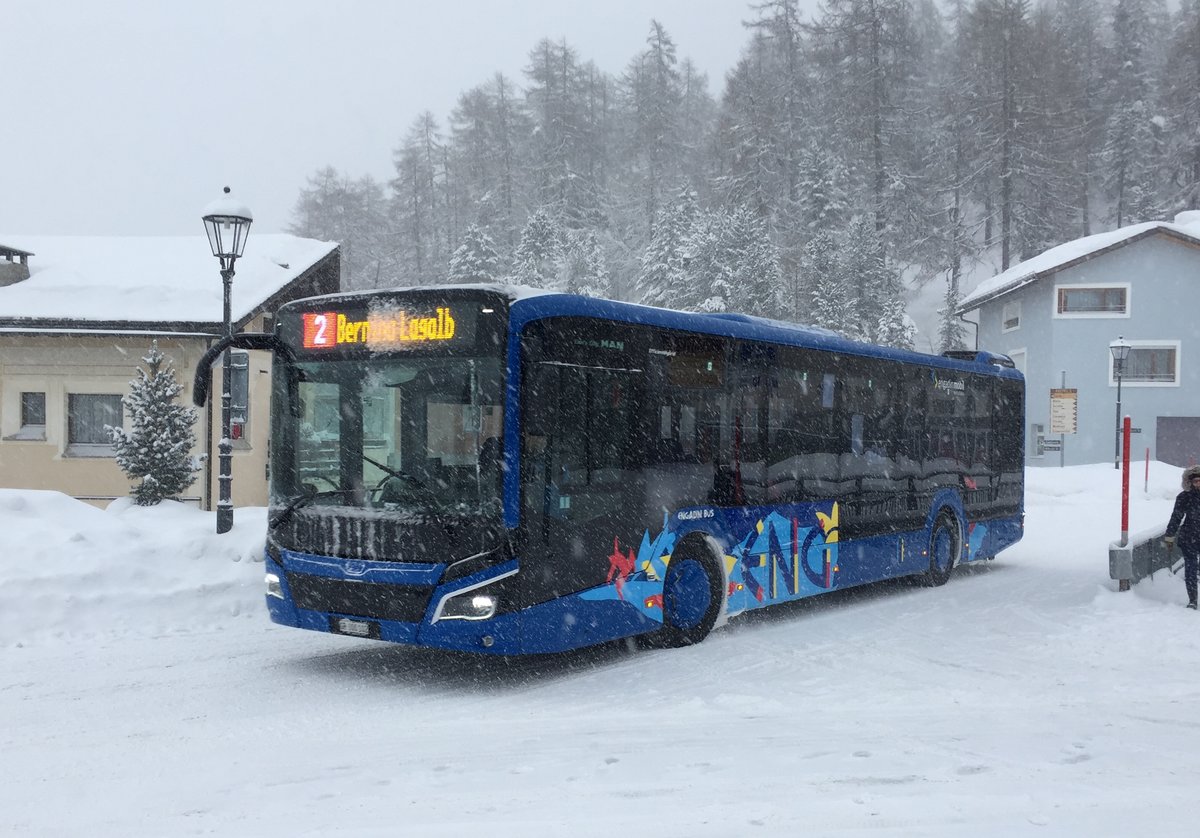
<point>382,329</point>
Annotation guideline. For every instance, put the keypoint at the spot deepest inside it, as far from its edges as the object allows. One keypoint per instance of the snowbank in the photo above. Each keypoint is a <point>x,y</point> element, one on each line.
<point>72,570</point>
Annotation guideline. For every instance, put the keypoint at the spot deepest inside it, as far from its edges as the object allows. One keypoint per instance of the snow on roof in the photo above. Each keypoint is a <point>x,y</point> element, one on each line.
<point>1186,224</point>
<point>168,279</point>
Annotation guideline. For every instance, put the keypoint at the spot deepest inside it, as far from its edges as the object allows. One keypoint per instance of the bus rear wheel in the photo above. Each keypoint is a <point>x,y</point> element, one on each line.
<point>692,599</point>
<point>945,543</point>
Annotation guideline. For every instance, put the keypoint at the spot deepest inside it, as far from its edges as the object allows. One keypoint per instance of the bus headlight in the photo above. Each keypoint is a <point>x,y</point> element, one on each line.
<point>468,606</point>
<point>473,602</point>
<point>273,586</point>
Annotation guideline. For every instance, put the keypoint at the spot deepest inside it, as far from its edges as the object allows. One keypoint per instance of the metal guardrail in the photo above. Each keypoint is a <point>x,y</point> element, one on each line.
<point>1145,553</point>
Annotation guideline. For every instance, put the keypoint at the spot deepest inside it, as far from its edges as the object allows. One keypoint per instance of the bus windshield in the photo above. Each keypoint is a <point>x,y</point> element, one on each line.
<point>403,435</point>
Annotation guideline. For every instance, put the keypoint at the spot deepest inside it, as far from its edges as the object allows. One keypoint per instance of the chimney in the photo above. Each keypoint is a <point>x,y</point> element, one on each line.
<point>14,265</point>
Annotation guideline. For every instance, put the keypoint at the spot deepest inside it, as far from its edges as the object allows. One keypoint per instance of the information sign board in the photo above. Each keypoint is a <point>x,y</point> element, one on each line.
<point>1064,411</point>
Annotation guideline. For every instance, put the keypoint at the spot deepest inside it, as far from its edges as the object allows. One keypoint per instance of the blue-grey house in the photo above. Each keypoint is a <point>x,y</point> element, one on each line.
<point>1056,316</point>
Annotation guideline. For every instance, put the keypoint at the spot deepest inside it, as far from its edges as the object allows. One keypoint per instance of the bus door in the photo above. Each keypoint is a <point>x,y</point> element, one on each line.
<point>581,481</point>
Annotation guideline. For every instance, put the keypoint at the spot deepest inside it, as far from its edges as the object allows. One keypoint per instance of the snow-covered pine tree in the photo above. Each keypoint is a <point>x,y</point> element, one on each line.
<point>157,451</point>
<point>859,262</point>
<point>564,156</point>
<point>536,257</point>
<point>653,87</point>
<point>582,268</point>
<point>1133,149</point>
<point>831,304</point>
<point>352,213</point>
<point>754,264</point>
<point>709,269</point>
<point>1078,81</point>
<point>868,53</point>
<point>876,286</point>
<point>997,38</point>
<point>420,221</point>
<point>752,143</point>
<point>475,260</point>
<point>950,328</point>
<point>895,327</point>
<point>1044,210</point>
<point>487,129</point>
<point>1181,99</point>
<point>824,201</point>
<point>696,124</point>
<point>662,280</point>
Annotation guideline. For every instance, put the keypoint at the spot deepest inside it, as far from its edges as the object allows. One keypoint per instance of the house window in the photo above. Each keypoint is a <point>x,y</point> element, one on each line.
<point>33,417</point>
<point>1092,301</point>
<point>1010,320</point>
<point>33,409</point>
<point>1150,364</point>
<point>88,414</point>
<point>239,389</point>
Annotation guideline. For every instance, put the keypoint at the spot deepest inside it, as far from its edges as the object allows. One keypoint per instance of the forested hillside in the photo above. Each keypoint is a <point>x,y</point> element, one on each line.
<point>847,159</point>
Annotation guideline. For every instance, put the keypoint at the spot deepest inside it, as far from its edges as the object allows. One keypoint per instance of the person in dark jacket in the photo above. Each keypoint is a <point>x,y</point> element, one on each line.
<point>1184,527</point>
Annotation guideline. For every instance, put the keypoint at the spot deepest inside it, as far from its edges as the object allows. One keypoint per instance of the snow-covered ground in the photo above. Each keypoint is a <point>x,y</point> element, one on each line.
<point>144,692</point>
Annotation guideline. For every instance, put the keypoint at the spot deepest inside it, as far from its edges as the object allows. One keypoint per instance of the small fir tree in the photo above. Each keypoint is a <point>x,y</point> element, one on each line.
<point>158,450</point>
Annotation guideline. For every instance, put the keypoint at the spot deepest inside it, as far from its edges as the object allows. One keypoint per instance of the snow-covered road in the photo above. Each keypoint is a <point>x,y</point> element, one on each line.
<point>1026,697</point>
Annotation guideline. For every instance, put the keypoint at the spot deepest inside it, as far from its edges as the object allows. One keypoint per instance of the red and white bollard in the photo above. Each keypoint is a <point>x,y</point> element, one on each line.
<point>1126,426</point>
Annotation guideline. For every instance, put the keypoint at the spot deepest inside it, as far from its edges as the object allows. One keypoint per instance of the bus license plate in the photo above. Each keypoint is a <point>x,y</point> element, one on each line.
<point>356,628</point>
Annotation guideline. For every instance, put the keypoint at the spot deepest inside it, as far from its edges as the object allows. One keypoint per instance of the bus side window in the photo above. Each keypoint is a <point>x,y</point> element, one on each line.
<point>688,406</point>
<point>539,399</point>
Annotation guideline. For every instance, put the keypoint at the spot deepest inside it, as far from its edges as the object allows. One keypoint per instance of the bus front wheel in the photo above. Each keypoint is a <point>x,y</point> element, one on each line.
<point>692,598</point>
<point>945,543</point>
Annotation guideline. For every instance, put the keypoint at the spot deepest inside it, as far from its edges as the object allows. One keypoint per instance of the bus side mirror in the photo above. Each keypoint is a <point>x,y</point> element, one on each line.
<point>202,380</point>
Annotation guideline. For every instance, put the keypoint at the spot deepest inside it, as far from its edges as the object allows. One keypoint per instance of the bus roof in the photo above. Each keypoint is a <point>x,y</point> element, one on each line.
<point>748,327</point>
<point>527,304</point>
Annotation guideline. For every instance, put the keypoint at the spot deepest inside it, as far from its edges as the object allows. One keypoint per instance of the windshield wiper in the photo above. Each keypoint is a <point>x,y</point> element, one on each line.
<point>430,496</point>
<point>399,475</point>
<point>436,507</point>
<point>304,499</point>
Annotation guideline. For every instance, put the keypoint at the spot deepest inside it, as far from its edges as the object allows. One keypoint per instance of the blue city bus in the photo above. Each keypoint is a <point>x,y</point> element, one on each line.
<point>500,470</point>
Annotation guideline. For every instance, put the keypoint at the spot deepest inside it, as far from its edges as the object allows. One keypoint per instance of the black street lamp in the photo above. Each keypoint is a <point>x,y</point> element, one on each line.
<point>227,222</point>
<point>1120,352</point>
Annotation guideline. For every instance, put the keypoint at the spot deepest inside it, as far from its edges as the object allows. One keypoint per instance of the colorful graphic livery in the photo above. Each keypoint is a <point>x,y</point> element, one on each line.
<point>499,470</point>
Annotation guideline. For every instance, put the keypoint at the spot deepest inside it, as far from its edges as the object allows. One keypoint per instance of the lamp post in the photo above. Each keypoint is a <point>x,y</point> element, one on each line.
<point>1120,352</point>
<point>227,222</point>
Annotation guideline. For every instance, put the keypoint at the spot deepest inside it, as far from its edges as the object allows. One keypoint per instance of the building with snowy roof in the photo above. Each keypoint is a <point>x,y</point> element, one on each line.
<point>1056,316</point>
<point>77,315</point>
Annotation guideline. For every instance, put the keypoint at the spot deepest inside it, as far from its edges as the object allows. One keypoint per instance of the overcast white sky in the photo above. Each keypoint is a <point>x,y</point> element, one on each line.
<point>125,117</point>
